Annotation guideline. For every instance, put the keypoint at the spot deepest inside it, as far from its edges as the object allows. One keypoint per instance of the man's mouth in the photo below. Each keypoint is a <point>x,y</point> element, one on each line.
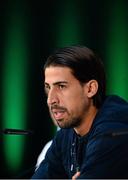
<point>58,114</point>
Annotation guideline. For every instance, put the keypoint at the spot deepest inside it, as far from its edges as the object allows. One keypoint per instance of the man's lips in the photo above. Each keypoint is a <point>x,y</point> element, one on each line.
<point>58,113</point>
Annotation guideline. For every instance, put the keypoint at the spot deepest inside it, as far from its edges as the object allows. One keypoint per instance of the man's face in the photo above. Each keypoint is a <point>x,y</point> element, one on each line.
<point>66,97</point>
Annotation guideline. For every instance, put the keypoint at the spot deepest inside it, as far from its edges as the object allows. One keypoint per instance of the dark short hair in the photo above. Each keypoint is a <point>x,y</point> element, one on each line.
<point>85,66</point>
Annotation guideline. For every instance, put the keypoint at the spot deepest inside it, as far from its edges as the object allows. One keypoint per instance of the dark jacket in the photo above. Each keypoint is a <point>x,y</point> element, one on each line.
<point>102,153</point>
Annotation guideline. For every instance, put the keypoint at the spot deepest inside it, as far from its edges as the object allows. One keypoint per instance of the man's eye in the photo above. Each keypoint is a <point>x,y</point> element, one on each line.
<point>61,86</point>
<point>46,89</point>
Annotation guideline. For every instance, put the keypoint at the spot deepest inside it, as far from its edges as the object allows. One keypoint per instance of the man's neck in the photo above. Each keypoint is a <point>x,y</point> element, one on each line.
<point>85,126</point>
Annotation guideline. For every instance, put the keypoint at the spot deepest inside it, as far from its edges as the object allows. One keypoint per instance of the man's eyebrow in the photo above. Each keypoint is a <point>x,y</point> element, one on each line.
<point>45,83</point>
<point>56,83</point>
<point>60,82</point>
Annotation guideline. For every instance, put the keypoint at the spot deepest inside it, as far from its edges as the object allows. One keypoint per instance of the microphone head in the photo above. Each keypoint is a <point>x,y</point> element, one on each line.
<point>16,132</point>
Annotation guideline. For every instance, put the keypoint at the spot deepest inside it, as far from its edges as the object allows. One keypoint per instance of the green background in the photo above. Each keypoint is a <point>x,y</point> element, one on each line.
<point>29,32</point>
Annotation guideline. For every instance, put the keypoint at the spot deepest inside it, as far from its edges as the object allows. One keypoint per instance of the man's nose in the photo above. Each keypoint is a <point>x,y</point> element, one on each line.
<point>52,97</point>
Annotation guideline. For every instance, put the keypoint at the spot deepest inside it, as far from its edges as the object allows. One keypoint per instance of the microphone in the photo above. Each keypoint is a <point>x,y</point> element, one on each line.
<point>16,132</point>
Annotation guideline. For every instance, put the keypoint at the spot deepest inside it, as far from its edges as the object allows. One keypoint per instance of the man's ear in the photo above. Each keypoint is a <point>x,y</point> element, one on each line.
<point>91,88</point>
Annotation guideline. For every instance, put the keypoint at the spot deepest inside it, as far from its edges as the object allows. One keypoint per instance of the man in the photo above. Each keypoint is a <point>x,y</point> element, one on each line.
<point>93,142</point>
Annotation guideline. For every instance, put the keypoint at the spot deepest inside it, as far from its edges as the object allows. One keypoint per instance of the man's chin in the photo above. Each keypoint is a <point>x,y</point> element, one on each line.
<point>64,126</point>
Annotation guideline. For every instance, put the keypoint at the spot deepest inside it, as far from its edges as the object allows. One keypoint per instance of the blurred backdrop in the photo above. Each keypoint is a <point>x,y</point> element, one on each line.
<point>29,32</point>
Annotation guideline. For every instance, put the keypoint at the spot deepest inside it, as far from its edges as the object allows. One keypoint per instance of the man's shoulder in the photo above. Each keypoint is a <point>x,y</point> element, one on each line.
<point>113,110</point>
<point>112,117</point>
<point>115,102</point>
